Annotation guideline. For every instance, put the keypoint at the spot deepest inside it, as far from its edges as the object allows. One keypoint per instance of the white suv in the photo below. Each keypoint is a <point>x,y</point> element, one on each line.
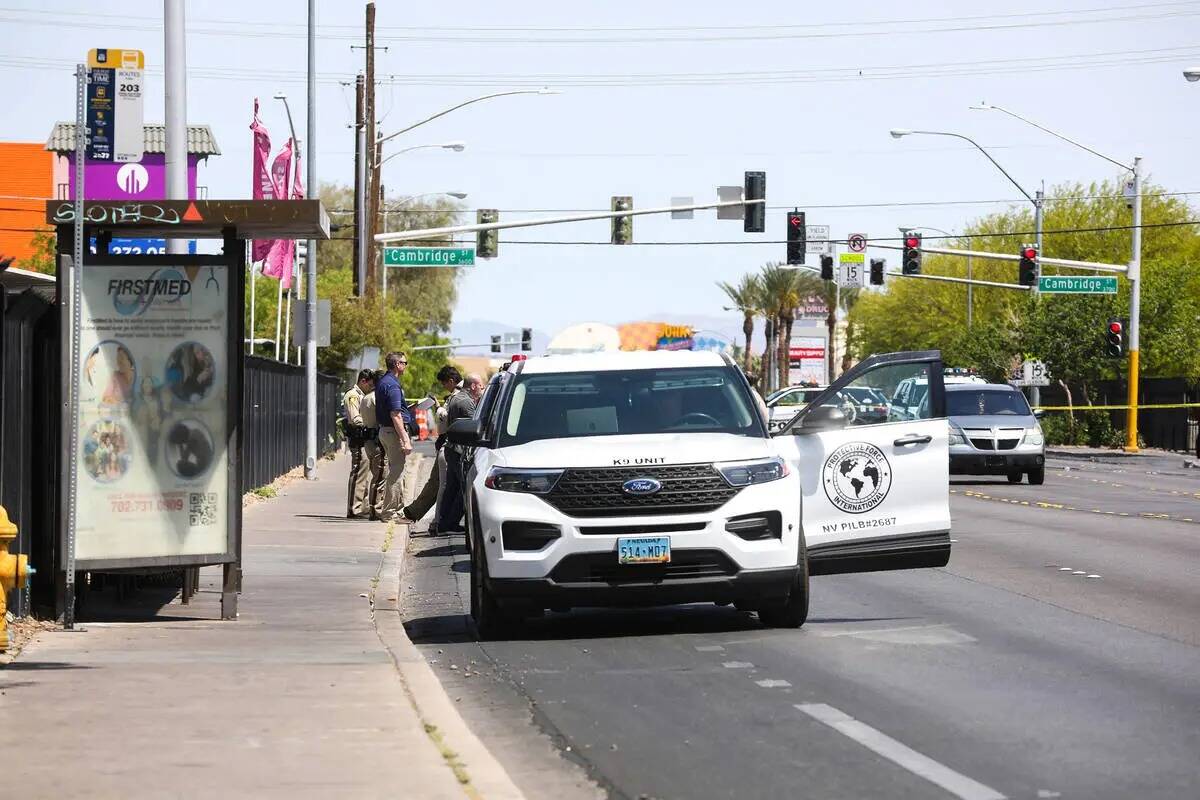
<point>649,478</point>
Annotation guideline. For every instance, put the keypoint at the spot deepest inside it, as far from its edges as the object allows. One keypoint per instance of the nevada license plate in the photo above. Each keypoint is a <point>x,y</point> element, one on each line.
<point>644,550</point>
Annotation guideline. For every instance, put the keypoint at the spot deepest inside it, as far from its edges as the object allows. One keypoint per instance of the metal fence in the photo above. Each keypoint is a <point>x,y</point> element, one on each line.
<point>29,432</point>
<point>273,419</point>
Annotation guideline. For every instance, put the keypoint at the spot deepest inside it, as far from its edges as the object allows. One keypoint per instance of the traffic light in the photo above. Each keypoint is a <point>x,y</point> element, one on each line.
<point>1028,273</point>
<point>911,265</point>
<point>526,339</point>
<point>826,268</point>
<point>496,344</point>
<point>877,266</point>
<point>487,243</point>
<point>797,237</point>
<point>622,227</point>
<point>1114,338</point>
<point>755,188</point>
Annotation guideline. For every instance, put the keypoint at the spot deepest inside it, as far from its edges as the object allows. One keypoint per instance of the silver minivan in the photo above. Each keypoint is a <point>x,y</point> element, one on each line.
<point>993,431</point>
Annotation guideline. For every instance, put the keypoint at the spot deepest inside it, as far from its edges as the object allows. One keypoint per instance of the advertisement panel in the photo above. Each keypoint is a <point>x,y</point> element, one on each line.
<point>806,360</point>
<point>153,377</point>
<point>147,179</point>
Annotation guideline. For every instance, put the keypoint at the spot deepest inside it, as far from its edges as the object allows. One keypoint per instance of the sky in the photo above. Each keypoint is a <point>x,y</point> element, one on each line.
<point>662,100</point>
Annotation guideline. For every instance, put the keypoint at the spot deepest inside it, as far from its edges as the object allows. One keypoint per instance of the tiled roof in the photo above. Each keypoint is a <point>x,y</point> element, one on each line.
<point>200,139</point>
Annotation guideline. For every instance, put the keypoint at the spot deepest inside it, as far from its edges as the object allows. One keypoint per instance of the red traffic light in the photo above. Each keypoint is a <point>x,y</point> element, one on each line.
<point>912,241</point>
<point>1030,253</point>
<point>1115,327</point>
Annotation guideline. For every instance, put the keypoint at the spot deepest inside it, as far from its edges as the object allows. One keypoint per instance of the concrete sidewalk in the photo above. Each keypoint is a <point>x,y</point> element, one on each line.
<point>299,697</point>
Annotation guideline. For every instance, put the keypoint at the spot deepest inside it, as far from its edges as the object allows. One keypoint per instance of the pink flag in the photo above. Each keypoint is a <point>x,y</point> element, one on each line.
<point>263,188</point>
<point>280,252</point>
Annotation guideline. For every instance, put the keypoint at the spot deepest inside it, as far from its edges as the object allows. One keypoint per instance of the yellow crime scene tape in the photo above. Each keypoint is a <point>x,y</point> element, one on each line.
<point>1117,408</point>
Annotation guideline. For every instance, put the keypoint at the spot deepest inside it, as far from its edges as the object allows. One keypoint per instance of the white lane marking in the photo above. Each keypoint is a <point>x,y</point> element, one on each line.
<point>872,631</point>
<point>709,648</point>
<point>1092,576</point>
<point>773,684</point>
<point>956,783</point>
<point>737,665</point>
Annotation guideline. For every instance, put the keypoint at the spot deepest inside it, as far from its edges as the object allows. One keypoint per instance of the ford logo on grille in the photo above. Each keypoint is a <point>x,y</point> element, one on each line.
<point>641,486</point>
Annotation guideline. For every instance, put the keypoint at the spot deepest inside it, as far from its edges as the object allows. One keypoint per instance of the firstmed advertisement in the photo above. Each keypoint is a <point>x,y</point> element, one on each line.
<point>152,465</point>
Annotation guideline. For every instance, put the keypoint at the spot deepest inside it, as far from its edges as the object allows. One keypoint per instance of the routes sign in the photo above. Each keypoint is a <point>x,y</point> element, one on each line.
<point>429,256</point>
<point>1078,284</point>
<point>114,105</point>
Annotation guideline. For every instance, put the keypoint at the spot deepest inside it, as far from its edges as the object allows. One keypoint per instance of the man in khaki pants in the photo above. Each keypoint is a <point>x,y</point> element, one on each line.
<point>372,449</point>
<point>356,437</point>
<point>392,413</point>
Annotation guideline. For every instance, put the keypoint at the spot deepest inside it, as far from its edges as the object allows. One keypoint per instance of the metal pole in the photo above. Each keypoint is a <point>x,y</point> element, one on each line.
<point>1135,310</point>
<point>278,316</point>
<point>287,324</point>
<point>175,74</point>
<point>970,294</point>
<point>310,278</point>
<point>1039,223</point>
<point>253,283</point>
<point>76,276</point>
<point>362,209</point>
<point>383,262</point>
<point>837,306</point>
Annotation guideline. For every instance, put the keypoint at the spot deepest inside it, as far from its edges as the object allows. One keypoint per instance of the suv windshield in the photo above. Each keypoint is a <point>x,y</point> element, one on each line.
<point>604,403</point>
<point>990,401</point>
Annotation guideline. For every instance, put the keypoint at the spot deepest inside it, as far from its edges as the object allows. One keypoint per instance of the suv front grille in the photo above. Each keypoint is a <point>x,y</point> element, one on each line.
<point>686,489</point>
<point>603,568</point>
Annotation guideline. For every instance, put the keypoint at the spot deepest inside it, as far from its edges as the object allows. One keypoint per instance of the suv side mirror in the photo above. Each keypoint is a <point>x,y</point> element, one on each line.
<point>465,431</point>
<point>1038,413</point>
<point>823,418</point>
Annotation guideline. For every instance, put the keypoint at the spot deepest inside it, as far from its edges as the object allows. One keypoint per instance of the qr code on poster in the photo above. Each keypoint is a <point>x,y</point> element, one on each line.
<point>202,510</point>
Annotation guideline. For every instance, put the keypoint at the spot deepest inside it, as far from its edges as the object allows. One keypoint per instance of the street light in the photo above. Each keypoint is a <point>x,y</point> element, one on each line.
<point>1192,74</point>
<point>543,90</point>
<point>1134,271</point>
<point>457,147</point>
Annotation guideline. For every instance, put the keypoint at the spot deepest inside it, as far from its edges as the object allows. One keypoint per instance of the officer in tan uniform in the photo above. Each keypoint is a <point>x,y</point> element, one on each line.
<point>373,451</point>
<point>356,436</point>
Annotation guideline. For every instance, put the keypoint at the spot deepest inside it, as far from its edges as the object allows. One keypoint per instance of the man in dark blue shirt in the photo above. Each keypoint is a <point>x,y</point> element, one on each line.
<point>393,415</point>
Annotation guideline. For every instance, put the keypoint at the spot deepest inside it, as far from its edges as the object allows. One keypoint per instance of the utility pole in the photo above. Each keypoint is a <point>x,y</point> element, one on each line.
<point>175,112</point>
<point>1039,223</point>
<point>360,188</point>
<point>371,207</point>
<point>1135,309</point>
<point>310,278</point>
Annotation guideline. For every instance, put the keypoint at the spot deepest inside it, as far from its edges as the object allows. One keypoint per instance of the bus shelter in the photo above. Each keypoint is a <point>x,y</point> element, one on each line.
<point>154,479</point>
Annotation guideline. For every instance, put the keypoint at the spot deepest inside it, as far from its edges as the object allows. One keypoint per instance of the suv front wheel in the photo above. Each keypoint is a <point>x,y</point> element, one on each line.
<point>491,619</point>
<point>792,612</point>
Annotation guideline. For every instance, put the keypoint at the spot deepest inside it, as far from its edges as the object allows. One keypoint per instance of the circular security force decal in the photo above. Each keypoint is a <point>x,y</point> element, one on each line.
<point>857,477</point>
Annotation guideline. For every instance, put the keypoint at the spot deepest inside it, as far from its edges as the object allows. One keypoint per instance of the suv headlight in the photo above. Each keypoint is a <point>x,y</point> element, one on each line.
<point>745,473</point>
<point>531,481</point>
<point>1033,436</point>
<point>957,436</point>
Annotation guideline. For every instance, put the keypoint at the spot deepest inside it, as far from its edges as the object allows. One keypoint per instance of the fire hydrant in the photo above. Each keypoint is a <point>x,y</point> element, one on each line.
<point>14,571</point>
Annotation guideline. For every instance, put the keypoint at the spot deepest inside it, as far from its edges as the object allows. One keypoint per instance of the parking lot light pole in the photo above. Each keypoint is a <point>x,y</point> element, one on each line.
<point>1135,261</point>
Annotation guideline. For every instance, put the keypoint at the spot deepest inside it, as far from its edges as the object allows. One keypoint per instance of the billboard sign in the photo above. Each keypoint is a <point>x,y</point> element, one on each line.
<point>146,180</point>
<point>153,376</point>
<point>806,360</point>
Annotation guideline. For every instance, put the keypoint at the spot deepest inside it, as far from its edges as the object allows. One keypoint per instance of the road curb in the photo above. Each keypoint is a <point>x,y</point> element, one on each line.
<point>488,778</point>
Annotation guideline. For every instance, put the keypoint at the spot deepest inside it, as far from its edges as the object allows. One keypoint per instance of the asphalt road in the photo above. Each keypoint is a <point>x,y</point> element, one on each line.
<point>1010,673</point>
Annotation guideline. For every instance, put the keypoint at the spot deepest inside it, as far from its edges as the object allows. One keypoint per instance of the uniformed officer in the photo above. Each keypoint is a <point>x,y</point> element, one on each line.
<point>373,451</point>
<point>356,436</point>
<point>394,417</point>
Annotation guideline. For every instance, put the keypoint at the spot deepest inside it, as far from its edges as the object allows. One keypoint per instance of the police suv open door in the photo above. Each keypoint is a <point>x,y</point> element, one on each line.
<point>876,493</point>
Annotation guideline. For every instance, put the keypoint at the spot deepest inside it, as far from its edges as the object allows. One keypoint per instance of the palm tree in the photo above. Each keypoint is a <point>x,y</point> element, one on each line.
<point>778,298</point>
<point>833,300</point>
<point>745,297</point>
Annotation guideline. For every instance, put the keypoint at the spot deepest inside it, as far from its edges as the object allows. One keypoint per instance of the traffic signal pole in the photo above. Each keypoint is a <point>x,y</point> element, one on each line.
<point>426,233</point>
<point>1135,310</point>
